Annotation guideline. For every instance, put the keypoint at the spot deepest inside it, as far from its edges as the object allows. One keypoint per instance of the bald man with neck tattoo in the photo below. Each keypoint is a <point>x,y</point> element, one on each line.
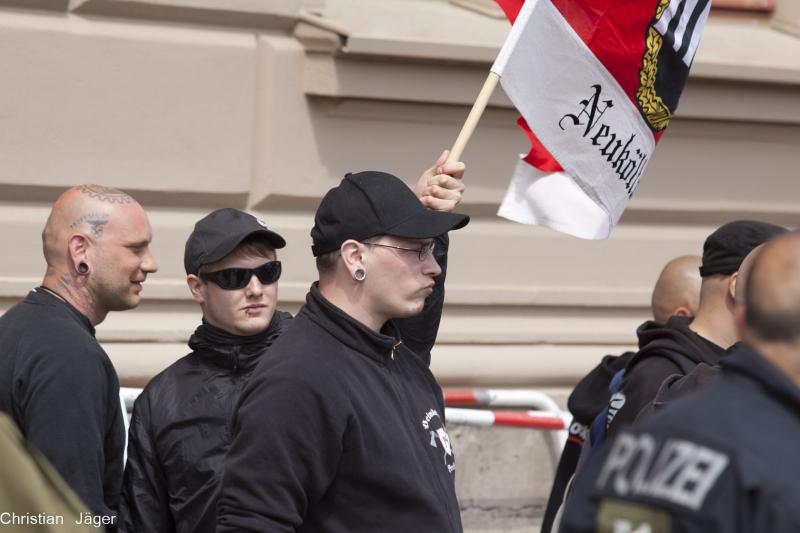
<point>56,382</point>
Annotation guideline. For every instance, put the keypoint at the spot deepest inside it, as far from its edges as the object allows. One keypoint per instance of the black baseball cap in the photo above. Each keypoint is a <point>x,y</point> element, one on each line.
<point>218,233</point>
<point>375,203</point>
<point>726,248</point>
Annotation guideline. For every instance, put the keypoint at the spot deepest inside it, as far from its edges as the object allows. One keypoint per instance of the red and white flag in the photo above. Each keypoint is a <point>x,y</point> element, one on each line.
<point>596,82</point>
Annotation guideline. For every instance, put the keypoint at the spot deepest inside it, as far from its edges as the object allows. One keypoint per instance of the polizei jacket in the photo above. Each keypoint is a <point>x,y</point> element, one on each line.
<point>340,429</point>
<point>722,458</point>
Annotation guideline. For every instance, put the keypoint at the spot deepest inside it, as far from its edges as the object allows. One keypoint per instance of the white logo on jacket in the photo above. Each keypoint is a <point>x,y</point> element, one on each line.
<point>615,403</point>
<point>438,437</point>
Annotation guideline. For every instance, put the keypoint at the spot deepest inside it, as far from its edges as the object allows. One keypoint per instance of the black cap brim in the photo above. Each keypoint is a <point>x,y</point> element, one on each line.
<point>228,245</point>
<point>427,224</point>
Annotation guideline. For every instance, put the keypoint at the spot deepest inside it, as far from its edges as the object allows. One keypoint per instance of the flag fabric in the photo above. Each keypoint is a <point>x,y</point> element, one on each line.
<point>596,83</point>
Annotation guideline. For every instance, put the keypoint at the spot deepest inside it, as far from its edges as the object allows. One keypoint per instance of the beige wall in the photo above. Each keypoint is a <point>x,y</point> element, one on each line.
<point>191,105</point>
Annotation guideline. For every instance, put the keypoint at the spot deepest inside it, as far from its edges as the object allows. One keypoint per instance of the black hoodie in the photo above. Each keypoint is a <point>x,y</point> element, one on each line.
<point>723,458</point>
<point>588,398</point>
<point>340,429</point>
<point>664,350</point>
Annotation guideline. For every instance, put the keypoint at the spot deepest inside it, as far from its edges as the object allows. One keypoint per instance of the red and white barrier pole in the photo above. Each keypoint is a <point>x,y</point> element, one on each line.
<point>501,398</point>
<point>524,419</point>
<point>525,398</point>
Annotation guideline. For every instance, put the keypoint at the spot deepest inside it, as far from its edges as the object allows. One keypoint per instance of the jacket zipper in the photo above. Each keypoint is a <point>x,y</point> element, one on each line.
<point>391,354</point>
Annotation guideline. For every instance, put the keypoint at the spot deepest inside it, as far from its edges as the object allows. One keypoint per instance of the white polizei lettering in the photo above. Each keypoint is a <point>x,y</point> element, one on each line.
<point>696,479</point>
<point>638,475</point>
<point>680,472</point>
<point>618,458</point>
<point>673,455</point>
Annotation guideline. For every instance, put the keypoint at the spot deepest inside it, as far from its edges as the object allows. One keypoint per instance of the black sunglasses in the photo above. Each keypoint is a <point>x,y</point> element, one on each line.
<point>238,278</point>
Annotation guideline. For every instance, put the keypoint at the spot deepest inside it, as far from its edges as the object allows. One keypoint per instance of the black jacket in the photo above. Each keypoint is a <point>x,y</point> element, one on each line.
<point>677,386</point>
<point>181,424</point>
<point>586,401</point>
<point>180,432</point>
<point>664,350</point>
<point>340,429</point>
<point>62,391</point>
<point>722,458</point>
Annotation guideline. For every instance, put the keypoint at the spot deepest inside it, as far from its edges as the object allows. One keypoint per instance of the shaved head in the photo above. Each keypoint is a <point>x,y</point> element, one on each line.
<point>772,293</point>
<point>96,245</point>
<point>85,208</point>
<point>677,291</point>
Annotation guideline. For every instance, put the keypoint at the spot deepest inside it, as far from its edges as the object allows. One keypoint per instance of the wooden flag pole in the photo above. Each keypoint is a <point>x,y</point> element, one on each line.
<point>473,117</point>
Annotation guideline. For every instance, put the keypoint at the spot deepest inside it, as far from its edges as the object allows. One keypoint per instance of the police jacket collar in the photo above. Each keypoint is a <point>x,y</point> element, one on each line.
<point>235,351</point>
<point>379,347</point>
<point>744,360</point>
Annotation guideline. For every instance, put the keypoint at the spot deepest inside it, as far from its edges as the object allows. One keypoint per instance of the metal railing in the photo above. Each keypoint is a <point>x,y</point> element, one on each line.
<point>543,414</point>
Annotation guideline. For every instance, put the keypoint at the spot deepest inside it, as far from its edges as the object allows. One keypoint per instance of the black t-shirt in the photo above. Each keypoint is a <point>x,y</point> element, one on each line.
<point>62,391</point>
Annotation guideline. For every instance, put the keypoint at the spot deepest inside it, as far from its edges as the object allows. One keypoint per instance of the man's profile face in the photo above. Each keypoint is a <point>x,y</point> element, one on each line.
<point>122,260</point>
<point>246,311</point>
<point>397,281</point>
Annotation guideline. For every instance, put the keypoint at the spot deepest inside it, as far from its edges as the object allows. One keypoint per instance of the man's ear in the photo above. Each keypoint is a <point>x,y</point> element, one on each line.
<point>352,253</point>
<point>682,311</point>
<point>732,286</point>
<point>197,287</point>
<point>78,246</point>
